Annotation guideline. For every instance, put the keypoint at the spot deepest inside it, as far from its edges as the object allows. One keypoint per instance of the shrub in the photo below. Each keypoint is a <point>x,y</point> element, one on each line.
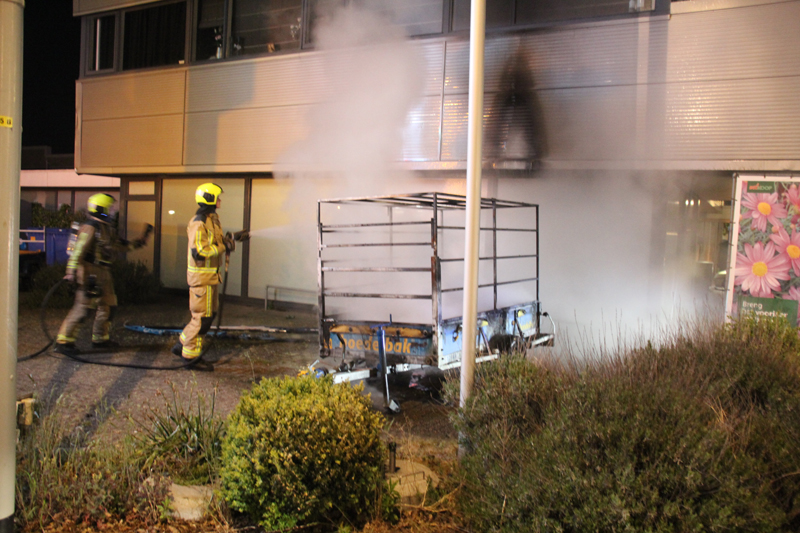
<point>42,217</point>
<point>183,438</point>
<point>61,478</point>
<point>133,284</point>
<point>302,450</point>
<point>44,279</point>
<point>698,435</point>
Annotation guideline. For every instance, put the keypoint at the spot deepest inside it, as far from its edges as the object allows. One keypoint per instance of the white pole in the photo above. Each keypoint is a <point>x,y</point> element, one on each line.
<point>477,37</point>
<point>11,12</point>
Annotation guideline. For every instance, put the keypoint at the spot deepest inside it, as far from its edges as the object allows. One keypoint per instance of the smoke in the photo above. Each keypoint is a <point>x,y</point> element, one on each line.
<point>374,75</point>
<point>619,253</point>
<point>610,264</point>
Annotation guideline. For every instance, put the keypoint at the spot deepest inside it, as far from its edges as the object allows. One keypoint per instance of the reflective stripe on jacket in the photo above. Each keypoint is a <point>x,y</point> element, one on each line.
<point>95,246</point>
<point>206,250</point>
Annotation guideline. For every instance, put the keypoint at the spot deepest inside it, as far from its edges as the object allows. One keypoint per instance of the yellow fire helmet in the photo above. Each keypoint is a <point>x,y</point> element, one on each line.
<point>207,194</point>
<point>100,205</point>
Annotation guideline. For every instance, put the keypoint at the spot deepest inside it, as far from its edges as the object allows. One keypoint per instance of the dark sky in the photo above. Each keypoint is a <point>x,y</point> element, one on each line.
<point>51,61</point>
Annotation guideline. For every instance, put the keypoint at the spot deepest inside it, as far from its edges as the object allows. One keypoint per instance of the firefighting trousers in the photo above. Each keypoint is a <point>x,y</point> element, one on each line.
<point>84,302</point>
<point>203,303</point>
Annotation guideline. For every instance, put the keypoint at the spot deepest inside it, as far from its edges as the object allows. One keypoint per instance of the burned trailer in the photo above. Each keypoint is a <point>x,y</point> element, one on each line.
<point>390,275</point>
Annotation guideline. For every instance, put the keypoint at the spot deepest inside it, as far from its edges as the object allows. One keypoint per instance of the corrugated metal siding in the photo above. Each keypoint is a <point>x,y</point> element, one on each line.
<point>561,58</point>
<point>271,82</point>
<point>422,129</point>
<point>749,42</point>
<point>243,137</point>
<point>133,95</point>
<point>733,85</point>
<point>432,54</point>
<point>132,142</point>
<point>582,124</point>
<point>84,7</point>
<point>132,120</point>
<point>705,88</point>
<point>734,120</point>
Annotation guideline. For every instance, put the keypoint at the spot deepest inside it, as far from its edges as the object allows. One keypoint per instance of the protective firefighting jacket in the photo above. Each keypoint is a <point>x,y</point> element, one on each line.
<point>95,247</point>
<point>206,250</point>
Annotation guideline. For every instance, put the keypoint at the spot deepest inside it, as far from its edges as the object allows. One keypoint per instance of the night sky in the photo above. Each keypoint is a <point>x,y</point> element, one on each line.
<point>51,62</point>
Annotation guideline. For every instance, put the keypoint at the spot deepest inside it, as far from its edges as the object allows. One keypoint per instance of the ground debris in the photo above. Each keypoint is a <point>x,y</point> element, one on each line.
<point>176,526</point>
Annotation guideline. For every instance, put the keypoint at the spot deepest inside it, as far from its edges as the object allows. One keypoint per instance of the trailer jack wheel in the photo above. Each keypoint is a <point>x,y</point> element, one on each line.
<point>393,407</point>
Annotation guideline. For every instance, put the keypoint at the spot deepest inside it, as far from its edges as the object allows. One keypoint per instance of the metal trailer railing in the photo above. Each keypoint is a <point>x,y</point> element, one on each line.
<point>436,343</point>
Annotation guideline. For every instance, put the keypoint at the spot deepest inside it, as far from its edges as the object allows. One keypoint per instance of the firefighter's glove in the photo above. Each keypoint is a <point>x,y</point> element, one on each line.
<point>70,277</point>
<point>230,244</point>
<point>242,236</point>
<point>141,241</point>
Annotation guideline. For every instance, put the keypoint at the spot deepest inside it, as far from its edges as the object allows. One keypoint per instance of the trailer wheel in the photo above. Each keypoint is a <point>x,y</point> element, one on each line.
<point>502,343</point>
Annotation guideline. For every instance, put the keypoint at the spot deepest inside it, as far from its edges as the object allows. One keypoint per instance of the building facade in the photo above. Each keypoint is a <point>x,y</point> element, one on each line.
<point>626,121</point>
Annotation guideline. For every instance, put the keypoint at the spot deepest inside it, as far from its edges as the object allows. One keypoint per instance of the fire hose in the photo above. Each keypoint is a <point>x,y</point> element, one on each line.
<point>51,341</point>
<point>230,238</point>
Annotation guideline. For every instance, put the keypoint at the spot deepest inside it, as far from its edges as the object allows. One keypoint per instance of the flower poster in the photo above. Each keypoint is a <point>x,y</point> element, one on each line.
<point>765,255</point>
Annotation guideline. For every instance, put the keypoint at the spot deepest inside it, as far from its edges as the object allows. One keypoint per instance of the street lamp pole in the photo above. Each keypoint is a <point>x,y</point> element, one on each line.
<point>11,16</point>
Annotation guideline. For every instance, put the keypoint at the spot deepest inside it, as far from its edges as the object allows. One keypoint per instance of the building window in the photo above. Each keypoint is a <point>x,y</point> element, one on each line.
<point>264,26</point>
<point>507,13</point>
<point>104,31</point>
<point>319,12</point>
<point>155,36</point>
<point>532,12</point>
<point>210,33</point>
<point>416,17</point>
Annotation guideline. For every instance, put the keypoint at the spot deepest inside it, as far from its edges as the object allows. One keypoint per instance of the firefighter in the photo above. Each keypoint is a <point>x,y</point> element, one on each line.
<point>90,266</point>
<point>206,257</point>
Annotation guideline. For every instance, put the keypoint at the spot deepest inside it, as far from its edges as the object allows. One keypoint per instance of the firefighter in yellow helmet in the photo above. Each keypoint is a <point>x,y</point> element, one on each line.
<point>89,265</point>
<point>206,260</point>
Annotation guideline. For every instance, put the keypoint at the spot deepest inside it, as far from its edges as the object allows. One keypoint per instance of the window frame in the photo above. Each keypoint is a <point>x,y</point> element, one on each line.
<point>192,32</point>
<point>88,40</point>
<point>192,14</point>
<point>120,41</point>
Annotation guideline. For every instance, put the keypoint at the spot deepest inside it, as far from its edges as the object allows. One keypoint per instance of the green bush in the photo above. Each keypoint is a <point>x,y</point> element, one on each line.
<point>44,279</point>
<point>62,478</point>
<point>698,435</point>
<point>303,450</point>
<point>133,284</point>
<point>62,218</point>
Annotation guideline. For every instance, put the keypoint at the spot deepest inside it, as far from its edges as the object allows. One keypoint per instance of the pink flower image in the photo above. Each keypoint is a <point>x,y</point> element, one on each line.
<point>759,270</point>
<point>794,294</point>
<point>763,208</point>
<point>793,197</point>
<point>790,246</point>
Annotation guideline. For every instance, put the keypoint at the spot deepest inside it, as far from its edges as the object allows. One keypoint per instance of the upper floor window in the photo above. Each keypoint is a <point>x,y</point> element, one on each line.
<point>103,35</point>
<point>265,26</point>
<point>210,32</point>
<point>507,13</point>
<point>416,17</point>
<point>154,36</point>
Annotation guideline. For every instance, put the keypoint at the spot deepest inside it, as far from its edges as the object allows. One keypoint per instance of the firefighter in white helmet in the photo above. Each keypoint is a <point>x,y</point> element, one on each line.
<point>89,265</point>
<point>206,256</point>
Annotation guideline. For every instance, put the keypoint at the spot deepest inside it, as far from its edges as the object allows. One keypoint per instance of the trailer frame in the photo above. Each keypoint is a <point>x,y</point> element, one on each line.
<point>437,343</point>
